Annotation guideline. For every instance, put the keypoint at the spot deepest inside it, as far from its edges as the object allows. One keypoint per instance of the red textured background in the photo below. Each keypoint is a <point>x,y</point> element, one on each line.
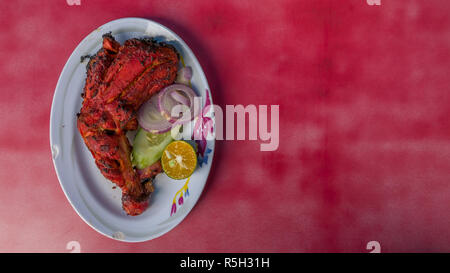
<point>364,124</point>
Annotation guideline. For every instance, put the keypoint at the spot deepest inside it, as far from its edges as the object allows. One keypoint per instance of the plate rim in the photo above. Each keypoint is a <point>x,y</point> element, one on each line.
<point>54,135</point>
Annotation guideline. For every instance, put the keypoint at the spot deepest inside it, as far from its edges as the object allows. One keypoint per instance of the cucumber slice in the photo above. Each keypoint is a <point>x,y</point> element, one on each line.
<point>148,147</point>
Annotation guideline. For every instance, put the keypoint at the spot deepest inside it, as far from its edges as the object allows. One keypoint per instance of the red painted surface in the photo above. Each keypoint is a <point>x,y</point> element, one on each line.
<point>364,124</point>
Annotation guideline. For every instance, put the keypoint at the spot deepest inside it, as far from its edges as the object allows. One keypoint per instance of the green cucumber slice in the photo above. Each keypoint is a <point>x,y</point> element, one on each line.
<point>148,147</point>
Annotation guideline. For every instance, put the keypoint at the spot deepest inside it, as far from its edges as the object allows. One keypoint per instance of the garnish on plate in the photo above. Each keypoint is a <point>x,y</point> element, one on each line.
<point>179,160</point>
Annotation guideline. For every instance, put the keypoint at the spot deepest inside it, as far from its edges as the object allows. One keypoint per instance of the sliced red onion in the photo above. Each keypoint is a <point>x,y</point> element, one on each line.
<point>178,95</point>
<point>184,75</point>
<point>150,118</point>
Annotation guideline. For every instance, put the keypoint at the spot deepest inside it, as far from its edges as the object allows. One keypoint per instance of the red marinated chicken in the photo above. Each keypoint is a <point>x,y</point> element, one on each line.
<point>119,79</point>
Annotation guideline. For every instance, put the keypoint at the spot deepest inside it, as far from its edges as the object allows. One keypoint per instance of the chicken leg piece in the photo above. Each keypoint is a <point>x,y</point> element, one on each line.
<point>119,79</point>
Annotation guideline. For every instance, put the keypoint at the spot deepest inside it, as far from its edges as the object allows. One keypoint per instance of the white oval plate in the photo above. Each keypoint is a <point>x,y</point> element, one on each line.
<point>90,194</point>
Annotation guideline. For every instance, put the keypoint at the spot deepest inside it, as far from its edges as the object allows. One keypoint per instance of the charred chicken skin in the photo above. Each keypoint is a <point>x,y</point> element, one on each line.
<point>119,79</point>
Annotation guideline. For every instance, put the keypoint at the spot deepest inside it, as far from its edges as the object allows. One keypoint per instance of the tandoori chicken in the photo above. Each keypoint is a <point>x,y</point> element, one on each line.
<point>119,79</point>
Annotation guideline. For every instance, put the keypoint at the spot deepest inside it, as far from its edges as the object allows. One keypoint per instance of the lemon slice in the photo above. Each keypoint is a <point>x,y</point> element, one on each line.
<point>179,160</point>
